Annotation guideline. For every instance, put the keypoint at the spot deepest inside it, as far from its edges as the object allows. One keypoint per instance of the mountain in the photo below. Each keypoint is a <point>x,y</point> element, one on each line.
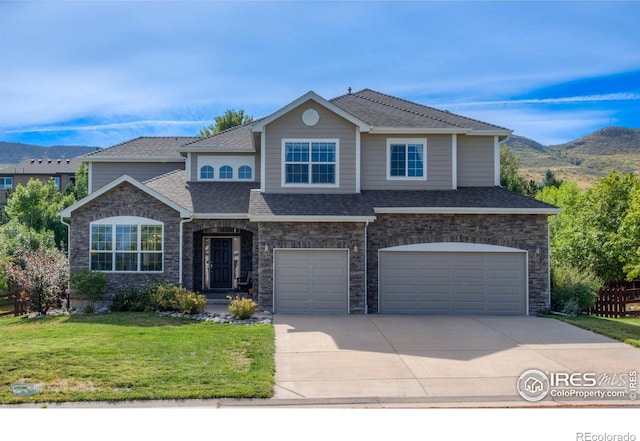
<point>14,152</point>
<point>583,160</point>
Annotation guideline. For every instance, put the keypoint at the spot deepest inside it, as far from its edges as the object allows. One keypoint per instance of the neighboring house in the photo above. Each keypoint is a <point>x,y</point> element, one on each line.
<point>365,203</point>
<point>62,171</point>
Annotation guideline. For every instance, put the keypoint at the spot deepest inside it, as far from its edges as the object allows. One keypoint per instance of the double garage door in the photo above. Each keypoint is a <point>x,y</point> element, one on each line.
<point>453,278</point>
<point>414,279</point>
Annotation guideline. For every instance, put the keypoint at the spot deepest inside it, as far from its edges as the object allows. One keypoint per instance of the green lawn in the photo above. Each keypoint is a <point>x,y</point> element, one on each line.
<point>626,330</point>
<point>126,356</point>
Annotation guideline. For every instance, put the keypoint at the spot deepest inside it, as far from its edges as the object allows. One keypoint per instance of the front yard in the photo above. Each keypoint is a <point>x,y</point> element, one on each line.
<point>127,356</point>
<point>626,330</point>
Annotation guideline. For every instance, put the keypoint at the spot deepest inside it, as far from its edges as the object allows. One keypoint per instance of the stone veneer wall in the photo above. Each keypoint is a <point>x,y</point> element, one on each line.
<point>126,200</point>
<point>192,255</point>
<point>273,235</point>
<point>526,232</point>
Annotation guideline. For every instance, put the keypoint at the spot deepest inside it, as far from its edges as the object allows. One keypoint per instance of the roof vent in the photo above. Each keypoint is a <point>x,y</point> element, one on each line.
<point>349,90</point>
<point>33,160</point>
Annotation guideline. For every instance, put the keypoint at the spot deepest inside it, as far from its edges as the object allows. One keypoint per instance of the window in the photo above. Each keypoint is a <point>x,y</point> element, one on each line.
<point>226,172</point>
<point>206,172</point>
<point>244,172</point>
<point>6,183</point>
<point>310,162</point>
<point>56,179</point>
<point>127,244</point>
<point>406,158</point>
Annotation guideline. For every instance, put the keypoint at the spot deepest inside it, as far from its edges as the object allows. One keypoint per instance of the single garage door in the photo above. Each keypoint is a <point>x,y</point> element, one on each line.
<point>453,278</point>
<point>311,281</point>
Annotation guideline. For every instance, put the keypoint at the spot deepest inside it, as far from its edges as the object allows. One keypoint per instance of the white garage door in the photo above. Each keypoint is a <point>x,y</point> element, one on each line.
<point>453,278</point>
<point>311,281</point>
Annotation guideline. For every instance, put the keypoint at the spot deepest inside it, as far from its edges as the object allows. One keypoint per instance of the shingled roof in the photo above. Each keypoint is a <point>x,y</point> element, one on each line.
<point>381,110</point>
<point>144,147</point>
<point>245,199</point>
<point>43,166</point>
<point>204,197</point>
<point>237,139</point>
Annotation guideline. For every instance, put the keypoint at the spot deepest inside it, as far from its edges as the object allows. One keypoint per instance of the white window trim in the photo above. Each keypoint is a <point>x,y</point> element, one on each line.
<point>407,141</point>
<point>283,180</point>
<point>235,162</point>
<point>126,220</point>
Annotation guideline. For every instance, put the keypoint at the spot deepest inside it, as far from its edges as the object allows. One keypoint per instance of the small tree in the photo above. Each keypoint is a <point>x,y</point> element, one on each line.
<point>89,285</point>
<point>231,118</point>
<point>41,275</point>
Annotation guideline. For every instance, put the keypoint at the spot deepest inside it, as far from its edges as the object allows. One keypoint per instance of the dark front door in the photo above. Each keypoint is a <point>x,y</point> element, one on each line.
<point>221,263</point>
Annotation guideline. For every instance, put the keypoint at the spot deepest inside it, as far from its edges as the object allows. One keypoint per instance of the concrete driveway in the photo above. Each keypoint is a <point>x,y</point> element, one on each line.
<point>380,360</point>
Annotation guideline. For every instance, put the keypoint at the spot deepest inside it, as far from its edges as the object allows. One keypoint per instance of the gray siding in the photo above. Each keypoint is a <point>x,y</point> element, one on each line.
<point>475,161</point>
<point>290,126</point>
<point>103,173</point>
<point>374,164</point>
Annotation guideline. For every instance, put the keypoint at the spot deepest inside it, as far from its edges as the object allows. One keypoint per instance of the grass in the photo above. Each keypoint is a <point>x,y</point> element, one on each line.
<point>134,356</point>
<point>626,330</point>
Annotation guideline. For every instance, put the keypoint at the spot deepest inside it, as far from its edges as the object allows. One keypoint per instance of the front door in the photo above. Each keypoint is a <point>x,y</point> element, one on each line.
<point>221,263</point>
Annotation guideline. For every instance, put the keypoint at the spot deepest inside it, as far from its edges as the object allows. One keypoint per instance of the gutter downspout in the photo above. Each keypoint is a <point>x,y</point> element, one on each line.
<point>366,269</point>
<point>68,237</point>
<point>68,259</point>
<point>182,222</point>
<point>555,218</point>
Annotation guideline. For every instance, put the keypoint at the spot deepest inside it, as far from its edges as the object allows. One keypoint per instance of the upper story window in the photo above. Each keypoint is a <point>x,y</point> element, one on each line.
<point>206,172</point>
<point>226,172</point>
<point>6,183</point>
<point>406,158</point>
<point>245,172</point>
<point>56,180</point>
<point>126,244</point>
<point>310,162</point>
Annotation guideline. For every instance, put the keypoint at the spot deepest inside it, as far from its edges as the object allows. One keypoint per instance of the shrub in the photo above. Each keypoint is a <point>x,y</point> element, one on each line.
<point>134,299</point>
<point>573,291</point>
<point>41,275</point>
<point>243,308</point>
<point>163,298</point>
<point>89,285</point>
<point>190,302</point>
<point>170,297</point>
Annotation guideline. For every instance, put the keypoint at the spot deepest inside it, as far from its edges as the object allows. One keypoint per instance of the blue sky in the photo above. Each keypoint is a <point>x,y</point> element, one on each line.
<point>99,73</point>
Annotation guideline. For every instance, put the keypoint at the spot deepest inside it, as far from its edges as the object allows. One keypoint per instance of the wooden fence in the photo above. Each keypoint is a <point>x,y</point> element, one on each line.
<point>12,300</point>
<point>618,299</point>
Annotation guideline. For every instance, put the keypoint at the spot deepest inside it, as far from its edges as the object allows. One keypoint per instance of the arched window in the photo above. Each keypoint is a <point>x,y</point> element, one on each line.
<point>226,172</point>
<point>244,172</point>
<point>206,172</point>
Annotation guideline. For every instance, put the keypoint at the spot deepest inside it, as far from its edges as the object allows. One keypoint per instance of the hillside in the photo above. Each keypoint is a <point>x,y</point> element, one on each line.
<point>583,160</point>
<point>14,152</point>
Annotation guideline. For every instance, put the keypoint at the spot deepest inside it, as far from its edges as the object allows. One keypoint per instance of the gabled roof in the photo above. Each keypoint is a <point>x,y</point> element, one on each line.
<point>364,127</point>
<point>144,149</point>
<point>235,139</point>
<point>42,166</point>
<point>385,113</point>
<point>66,213</point>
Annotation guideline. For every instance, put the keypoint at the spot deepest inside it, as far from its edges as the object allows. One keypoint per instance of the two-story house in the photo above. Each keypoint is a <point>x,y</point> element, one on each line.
<point>364,203</point>
<point>62,171</point>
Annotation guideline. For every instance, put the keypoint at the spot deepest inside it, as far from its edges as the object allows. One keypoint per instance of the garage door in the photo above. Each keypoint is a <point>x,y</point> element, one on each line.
<point>311,281</point>
<point>453,278</point>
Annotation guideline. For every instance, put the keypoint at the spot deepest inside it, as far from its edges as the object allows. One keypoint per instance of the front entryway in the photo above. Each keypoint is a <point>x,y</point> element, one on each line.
<point>220,262</point>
